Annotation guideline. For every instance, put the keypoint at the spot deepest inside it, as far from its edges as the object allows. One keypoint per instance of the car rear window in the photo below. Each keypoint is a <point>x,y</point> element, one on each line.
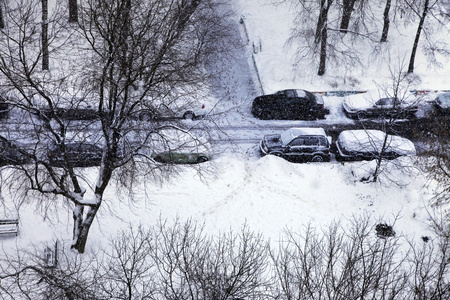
<point>323,141</point>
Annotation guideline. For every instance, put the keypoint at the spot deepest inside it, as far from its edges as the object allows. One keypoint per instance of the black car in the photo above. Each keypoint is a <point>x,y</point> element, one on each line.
<point>79,154</point>
<point>12,153</point>
<point>289,104</point>
<point>298,144</point>
<point>70,113</point>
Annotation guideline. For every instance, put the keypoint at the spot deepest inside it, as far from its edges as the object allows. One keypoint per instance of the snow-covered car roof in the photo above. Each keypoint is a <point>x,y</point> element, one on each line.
<point>444,100</point>
<point>368,99</point>
<point>372,141</point>
<point>292,133</point>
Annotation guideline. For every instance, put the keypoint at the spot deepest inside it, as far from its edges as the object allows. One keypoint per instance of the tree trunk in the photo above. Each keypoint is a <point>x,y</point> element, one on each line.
<point>77,221</point>
<point>381,156</point>
<point>386,21</point>
<point>323,52</point>
<point>45,62</point>
<point>73,11</point>
<point>416,40</point>
<point>80,242</point>
<point>2,21</point>
<point>322,33</point>
<point>347,10</point>
<point>321,21</point>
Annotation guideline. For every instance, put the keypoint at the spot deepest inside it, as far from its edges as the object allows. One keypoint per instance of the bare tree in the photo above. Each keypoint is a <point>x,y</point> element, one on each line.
<point>427,5</point>
<point>436,159</point>
<point>347,9</point>
<point>45,63</point>
<point>386,21</point>
<point>180,261</point>
<point>193,265</point>
<point>397,90</point>
<point>322,34</point>
<point>2,21</point>
<point>27,274</point>
<point>126,271</point>
<point>122,59</point>
<point>317,39</point>
<point>339,263</point>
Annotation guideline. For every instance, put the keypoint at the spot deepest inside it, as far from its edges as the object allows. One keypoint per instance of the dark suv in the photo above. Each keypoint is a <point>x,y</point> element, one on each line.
<point>79,154</point>
<point>289,104</point>
<point>298,144</point>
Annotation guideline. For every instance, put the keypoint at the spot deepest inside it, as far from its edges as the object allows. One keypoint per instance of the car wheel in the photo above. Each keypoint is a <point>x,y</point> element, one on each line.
<point>317,158</point>
<point>189,115</point>
<point>158,159</point>
<point>361,115</point>
<point>201,159</point>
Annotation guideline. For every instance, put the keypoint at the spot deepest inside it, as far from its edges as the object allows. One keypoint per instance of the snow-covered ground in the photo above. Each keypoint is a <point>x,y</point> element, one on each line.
<point>238,186</point>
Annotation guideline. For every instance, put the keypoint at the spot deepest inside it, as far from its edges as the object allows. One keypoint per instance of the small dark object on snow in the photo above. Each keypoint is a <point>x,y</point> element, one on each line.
<point>383,230</point>
<point>425,239</point>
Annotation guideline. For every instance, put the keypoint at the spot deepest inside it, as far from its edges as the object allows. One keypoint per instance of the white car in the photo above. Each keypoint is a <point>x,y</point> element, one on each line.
<point>442,103</point>
<point>368,144</point>
<point>372,104</point>
<point>176,107</point>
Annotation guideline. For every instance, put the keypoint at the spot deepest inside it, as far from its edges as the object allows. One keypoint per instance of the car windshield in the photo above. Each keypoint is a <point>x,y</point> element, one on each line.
<point>301,93</point>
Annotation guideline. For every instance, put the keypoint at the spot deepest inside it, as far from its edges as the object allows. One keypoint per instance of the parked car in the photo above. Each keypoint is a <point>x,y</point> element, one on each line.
<point>355,145</point>
<point>372,105</point>
<point>78,154</point>
<point>163,112</point>
<point>12,153</point>
<point>289,104</point>
<point>181,157</point>
<point>298,144</point>
<point>173,146</point>
<point>86,113</point>
<point>66,107</point>
<point>442,103</point>
<point>176,107</point>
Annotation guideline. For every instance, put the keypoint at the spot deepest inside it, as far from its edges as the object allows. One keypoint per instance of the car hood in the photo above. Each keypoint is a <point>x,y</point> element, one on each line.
<point>361,101</point>
<point>443,100</point>
<point>272,141</point>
